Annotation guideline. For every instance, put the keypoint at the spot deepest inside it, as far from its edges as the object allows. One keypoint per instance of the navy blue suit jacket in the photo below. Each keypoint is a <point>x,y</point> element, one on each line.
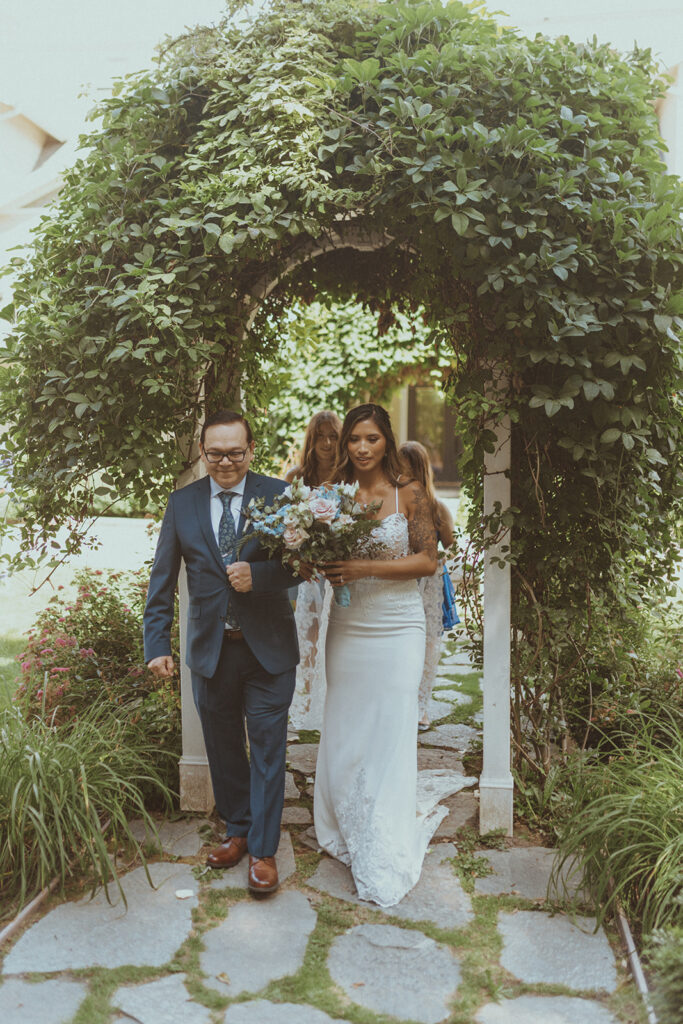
<point>264,614</point>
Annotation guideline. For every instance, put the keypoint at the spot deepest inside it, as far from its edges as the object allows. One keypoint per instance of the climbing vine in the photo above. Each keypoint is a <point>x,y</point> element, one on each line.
<point>511,193</point>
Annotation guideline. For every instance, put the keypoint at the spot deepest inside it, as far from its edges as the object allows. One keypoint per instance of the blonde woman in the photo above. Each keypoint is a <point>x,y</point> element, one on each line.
<point>417,463</point>
<point>312,602</point>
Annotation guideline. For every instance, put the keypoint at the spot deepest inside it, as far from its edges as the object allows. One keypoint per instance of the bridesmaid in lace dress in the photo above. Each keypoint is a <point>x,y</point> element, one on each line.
<point>370,812</point>
<point>417,462</point>
<point>317,461</point>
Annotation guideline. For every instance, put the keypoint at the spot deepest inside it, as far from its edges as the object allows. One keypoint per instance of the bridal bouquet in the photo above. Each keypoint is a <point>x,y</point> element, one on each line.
<point>314,525</point>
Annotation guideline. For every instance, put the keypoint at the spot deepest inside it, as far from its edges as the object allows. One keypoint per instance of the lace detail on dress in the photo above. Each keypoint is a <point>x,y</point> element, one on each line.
<point>431,591</point>
<point>385,863</point>
<point>382,872</point>
<point>311,617</point>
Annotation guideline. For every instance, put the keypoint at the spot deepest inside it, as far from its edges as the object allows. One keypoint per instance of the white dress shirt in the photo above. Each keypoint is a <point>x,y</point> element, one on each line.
<point>217,504</point>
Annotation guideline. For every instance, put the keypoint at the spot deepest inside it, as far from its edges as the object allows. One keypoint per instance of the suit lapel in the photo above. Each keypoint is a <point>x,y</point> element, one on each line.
<point>252,489</point>
<point>203,508</point>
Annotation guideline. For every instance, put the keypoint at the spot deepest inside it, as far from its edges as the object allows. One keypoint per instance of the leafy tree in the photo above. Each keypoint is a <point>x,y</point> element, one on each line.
<point>518,194</point>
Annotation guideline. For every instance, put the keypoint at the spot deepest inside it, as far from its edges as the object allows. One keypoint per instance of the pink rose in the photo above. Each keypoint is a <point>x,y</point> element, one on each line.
<point>323,509</point>
<point>294,536</point>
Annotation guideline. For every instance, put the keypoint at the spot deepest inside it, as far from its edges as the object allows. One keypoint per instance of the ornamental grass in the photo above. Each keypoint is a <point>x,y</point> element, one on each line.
<point>66,798</point>
<point>624,842</point>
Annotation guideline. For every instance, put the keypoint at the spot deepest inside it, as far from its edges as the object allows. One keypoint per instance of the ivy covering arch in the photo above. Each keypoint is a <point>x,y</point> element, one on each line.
<point>512,195</point>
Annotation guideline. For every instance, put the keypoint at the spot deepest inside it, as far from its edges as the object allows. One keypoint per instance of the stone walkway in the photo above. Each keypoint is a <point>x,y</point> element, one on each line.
<point>464,947</point>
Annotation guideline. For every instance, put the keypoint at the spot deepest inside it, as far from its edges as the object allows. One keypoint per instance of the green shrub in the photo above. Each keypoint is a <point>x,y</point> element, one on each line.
<point>624,835</point>
<point>665,958</point>
<point>68,794</point>
<point>89,651</point>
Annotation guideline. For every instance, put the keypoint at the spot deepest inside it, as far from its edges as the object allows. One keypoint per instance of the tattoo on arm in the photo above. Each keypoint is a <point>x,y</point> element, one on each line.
<point>421,529</point>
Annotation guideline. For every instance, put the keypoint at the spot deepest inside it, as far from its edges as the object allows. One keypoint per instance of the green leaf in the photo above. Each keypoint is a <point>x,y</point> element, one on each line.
<point>460,222</point>
<point>610,435</point>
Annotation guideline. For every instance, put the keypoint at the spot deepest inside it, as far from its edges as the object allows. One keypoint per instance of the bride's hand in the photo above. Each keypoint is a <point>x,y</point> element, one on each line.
<point>339,573</point>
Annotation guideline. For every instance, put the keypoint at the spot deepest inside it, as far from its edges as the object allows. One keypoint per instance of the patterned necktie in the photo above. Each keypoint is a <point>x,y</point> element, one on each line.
<point>227,544</point>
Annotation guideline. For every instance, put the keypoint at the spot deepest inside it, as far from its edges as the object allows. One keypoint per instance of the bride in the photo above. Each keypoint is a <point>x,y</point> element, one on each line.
<point>370,813</point>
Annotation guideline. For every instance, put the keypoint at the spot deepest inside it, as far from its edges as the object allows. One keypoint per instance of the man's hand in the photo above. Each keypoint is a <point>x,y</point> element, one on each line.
<point>239,575</point>
<point>162,666</point>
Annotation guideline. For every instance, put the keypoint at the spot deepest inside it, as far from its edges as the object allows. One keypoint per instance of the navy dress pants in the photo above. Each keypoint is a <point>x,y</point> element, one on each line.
<point>249,790</point>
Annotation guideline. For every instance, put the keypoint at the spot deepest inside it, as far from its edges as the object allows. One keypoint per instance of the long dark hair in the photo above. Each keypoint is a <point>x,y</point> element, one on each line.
<point>309,461</point>
<point>391,464</point>
<point>417,462</point>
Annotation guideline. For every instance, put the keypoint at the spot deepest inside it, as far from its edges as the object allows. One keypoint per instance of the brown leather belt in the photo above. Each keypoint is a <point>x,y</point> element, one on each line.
<point>233,634</point>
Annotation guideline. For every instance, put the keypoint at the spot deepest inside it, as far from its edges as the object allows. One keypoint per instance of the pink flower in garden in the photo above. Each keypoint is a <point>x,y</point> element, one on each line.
<point>47,650</point>
<point>60,670</point>
<point>323,509</point>
<point>97,572</point>
<point>60,641</point>
<point>26,666</point>
<point>679,673</point>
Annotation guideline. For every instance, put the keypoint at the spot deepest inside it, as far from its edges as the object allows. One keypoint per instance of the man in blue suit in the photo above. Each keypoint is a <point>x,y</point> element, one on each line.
<point>242,645</point>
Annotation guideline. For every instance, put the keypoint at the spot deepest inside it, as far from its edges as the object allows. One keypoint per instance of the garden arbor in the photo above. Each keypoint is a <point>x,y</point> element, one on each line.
<point>413,157</point>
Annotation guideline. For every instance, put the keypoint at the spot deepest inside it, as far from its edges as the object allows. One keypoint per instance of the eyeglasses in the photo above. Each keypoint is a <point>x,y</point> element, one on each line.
<point>236,455</point>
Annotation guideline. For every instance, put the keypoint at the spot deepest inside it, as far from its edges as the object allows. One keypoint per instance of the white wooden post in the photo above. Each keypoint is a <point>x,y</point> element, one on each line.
<point>495,784</point>
<point>196,791</point>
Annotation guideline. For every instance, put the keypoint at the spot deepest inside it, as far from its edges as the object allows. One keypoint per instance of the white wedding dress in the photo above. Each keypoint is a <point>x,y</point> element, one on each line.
<point>372,811</point>
<point>311,615</point>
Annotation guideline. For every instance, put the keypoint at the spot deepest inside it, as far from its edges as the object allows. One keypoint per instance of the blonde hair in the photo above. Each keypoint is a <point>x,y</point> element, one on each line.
<point>417,461</point>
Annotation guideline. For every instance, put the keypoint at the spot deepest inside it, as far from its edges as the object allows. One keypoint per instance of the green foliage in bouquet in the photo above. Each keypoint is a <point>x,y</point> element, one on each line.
<point>313,524</point>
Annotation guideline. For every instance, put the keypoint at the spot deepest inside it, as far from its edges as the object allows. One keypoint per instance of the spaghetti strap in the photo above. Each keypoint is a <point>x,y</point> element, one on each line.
<point>396,492</point>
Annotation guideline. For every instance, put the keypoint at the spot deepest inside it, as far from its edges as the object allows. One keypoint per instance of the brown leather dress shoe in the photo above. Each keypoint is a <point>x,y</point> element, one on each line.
<point>229,853</point>
<point>262,877</point>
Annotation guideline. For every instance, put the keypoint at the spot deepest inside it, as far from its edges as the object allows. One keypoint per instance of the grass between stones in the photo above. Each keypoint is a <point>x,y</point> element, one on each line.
<point>468,684</point>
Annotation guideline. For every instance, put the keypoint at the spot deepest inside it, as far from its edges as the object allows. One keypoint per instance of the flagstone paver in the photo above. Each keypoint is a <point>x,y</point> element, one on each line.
<point>538,947</point>
<point>259,941</point>
<point>237,877</point>
<point>291,790</point>
<point>521,871</point>
<point>452,696</point>
<point>395,971</point>
<point>545,1010</point>
<point>176,838</point>
<point>434,757</point>
<point>454,737</point>
<point>93,933</point>
<point>438,896</point>
<point>296,816</point>
<point>302,757</point>
<point>260,1011</point>
<point>165,1001</point>
<point>463,812</point>
<point>45,1002</point>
